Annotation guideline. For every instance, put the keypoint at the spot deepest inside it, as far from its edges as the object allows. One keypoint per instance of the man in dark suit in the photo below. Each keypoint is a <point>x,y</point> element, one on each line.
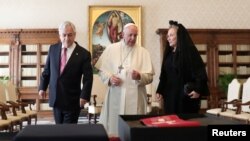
<point>64,78</point>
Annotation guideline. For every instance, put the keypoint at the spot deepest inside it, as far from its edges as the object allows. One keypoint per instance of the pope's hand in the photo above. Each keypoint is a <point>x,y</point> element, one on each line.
<point>135,75</point>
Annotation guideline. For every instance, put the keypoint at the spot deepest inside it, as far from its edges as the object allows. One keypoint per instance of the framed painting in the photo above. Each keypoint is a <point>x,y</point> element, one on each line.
<point>106,26</point>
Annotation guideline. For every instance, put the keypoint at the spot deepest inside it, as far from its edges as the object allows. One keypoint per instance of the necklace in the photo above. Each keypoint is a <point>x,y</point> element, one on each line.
<point>120,67</point>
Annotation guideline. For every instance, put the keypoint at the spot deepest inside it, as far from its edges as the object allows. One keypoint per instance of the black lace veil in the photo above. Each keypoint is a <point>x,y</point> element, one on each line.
<point>187,58</point>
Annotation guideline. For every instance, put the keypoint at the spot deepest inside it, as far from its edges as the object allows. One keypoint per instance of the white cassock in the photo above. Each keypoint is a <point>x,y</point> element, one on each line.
<point>130,98</point>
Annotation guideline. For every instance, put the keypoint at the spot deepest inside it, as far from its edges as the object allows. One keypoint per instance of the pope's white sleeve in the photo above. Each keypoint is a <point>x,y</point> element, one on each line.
<point>104,77</point>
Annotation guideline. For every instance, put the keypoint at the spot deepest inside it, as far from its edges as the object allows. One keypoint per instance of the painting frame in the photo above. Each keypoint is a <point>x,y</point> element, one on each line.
<point>99,17</point>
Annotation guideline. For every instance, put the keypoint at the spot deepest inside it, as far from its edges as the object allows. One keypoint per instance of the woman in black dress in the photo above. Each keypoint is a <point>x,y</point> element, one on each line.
<point>183,78</point>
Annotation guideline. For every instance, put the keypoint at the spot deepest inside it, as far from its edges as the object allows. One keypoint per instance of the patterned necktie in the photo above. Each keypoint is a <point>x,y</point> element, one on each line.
<point>63,60</point>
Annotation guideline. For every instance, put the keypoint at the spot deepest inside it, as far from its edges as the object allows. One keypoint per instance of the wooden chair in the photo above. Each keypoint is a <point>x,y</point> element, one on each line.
<point>5,124</point>
<point>243,108</point>
<point>229,112</point>
<point>12,98</point>
<point>14,119</point>
<point>97,98</point>
<point>94,110</point>
<point>233,96</point>
<point>149,103</point>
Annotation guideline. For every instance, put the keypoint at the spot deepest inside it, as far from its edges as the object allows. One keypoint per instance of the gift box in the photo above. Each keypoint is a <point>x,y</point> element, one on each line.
<point>131,128</point>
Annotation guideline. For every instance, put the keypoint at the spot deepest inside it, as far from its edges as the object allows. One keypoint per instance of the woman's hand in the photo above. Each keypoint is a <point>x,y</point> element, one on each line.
<point>158,97</point>
<point>194,94</point>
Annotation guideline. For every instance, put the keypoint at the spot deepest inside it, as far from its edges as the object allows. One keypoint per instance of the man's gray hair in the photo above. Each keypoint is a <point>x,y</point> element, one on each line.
<point>128,25</point>
<point>63,25</point>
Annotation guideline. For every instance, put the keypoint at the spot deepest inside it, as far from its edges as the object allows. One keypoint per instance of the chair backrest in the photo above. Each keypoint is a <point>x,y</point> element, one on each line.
<point>2,93</point>
<point>11,92</point>
<point>233,92</point>
<point>2,101</point>
<point>246,96</point>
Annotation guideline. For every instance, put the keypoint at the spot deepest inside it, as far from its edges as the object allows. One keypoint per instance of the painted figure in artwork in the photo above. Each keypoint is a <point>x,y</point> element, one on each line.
<point>114,27</point>
<point>99,29</point>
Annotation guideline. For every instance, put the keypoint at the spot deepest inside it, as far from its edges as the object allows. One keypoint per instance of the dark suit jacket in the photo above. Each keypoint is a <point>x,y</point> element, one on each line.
<point>65,89</point>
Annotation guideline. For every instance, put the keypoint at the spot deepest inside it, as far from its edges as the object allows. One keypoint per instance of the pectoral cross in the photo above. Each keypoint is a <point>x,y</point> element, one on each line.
<point>120,68</point>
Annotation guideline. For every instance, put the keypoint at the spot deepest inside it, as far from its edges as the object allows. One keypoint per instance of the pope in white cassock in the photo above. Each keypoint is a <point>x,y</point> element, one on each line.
<point>126,68</point>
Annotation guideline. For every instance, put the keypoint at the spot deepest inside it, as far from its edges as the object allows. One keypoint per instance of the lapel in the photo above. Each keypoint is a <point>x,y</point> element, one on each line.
<point>57,54</point>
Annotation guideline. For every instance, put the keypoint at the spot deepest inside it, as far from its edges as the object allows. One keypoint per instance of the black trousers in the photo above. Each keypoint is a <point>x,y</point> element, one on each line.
<point>66,116</point>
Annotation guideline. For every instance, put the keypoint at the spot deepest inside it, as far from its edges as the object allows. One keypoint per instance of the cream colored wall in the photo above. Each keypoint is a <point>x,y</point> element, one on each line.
<point>155,14</point>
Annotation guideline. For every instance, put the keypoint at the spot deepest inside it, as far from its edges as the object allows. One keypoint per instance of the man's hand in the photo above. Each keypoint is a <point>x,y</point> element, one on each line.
<point>82,102</point>
<point>42,94</point>
<point>135,75</point>
<point>114,80</point>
